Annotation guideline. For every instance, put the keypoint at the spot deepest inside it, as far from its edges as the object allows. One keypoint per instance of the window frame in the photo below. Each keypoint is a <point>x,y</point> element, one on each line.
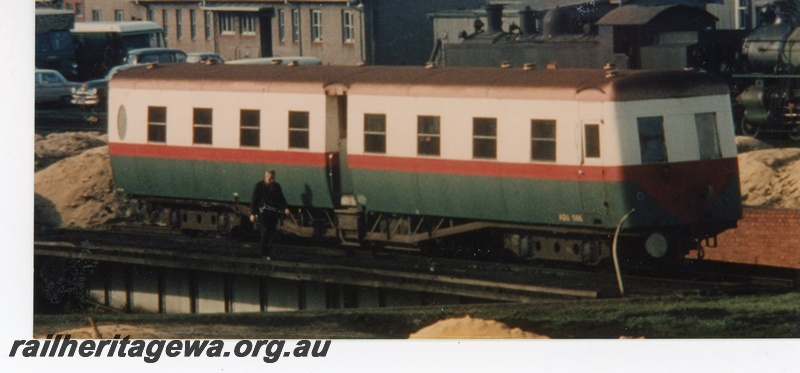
<point>429,136</point>
<point>281,25</point>
<point>247,24</point>
<point>209,17</point>
<point>380,136</point>
<point>252,128</point>
<point>156,128</point>
<point>316,26</point>
<point>193,24</point>
<point>178,24</point>
<point>199,128</point>
<point>227,23</point>
<point>348,27</point>
<point>642,122</point>
<point>97,15</point>
<point>701,143</point>
<point>119,15</point>
<point>596,150</point>
<point>549,150</point>
<point>295,25</point>
<point>484,138</point>
<point>165,22</point>
<point>304,127</point>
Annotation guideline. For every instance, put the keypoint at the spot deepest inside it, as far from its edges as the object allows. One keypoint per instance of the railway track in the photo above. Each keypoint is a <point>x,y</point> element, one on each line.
<point>496,281</point>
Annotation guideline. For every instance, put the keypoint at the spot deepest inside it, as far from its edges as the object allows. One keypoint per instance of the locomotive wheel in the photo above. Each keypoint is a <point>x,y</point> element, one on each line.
<point>749,129</point>
<point>794,135</point>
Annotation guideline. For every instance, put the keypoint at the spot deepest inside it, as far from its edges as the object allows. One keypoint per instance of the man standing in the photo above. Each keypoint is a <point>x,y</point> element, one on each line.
<point>267,207</point>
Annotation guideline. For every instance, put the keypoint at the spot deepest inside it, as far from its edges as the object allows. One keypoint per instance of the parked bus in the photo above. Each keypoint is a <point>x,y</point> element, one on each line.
<point>99,46</point>
<point>54,46</point>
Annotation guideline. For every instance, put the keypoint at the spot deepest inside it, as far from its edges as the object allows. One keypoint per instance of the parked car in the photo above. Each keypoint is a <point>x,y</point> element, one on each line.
<point>95,92</point>
<point>299,60</point>
<point>197,57</point>
<point>150,55</point>
<point>52,87</point>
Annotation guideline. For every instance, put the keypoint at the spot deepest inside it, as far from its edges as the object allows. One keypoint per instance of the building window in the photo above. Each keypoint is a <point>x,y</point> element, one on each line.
<point>316,25</point>
<point>742,14</point>
<point>227,23</point>
<point>427,135</point>
<point>208,25</point>
<point>178,24</point>
<point>149,14</point>
<point>281,26</point>
<point>591,140</point>
<point>484,138</point>
<point>165,22</point>
<point>543,140</point>
<point>202,126</point>
<point>375,133</point>
<point>79,10</point>
<point>348,27</point>
<point>156,124</point>
<point>652,144</point>
<point>193,24</point>
<point>249,130</point>
<point>298,129</point>
<point>707,136</point>
<point>68,6</point>
<point>119,16</point>
<point>296,25</point>
<point>97,15</point>
<point>247,23</point>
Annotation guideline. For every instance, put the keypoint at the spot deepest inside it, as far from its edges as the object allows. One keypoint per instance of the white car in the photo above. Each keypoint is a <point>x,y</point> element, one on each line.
<point>53,88</point>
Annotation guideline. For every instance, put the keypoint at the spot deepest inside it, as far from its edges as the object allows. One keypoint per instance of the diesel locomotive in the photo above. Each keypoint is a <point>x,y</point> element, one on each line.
<point>548,161</point>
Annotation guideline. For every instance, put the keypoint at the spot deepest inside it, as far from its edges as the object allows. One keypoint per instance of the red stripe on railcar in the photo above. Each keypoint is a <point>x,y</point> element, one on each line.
<point>196,153</point>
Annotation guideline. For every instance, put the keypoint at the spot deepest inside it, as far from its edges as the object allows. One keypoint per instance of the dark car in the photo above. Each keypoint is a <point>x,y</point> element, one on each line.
<point>94,92</point>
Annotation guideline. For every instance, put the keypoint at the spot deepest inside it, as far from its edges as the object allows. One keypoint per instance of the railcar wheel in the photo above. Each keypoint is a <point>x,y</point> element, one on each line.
<point>749,129</point>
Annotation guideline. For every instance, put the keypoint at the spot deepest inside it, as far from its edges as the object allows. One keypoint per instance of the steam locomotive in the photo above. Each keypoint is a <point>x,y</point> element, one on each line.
<point>762,67</point>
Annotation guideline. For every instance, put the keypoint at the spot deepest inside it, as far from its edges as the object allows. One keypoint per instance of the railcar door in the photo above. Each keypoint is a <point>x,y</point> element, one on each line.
<point>591,175</point>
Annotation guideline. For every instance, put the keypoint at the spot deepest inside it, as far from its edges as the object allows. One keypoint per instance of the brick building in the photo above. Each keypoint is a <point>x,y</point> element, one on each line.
<point>341,32</point>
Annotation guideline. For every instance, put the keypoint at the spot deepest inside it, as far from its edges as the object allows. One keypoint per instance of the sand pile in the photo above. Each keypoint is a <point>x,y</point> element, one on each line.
<point>57,146</point>
<point>770,178</point>
<point>471,328</point>
<point>76,192</point>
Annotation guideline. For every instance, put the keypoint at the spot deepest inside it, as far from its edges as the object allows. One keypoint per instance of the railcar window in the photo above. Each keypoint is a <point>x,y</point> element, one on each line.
<point>427,135</point>
<point>375,133</point>
<point>707,136</point>
<point>298,129</point>
<point>543,140</point>
<point>652,145</point>
<point>484,138</point>
<point>202,126</point>
<point>591,143</point>
<point>249,130</point>
<point>156,124</point>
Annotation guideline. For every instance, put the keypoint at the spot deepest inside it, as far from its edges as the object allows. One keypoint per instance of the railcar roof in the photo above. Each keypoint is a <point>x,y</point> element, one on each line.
<point>480,82</point>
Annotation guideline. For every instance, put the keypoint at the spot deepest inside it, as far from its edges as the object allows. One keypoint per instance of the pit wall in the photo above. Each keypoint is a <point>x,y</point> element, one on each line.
<point>143,289</point>
<point>764,236</point>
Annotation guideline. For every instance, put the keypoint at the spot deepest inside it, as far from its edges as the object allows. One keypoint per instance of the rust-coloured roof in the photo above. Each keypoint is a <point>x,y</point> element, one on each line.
<point>480,82</point>
<point>638,15</point>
